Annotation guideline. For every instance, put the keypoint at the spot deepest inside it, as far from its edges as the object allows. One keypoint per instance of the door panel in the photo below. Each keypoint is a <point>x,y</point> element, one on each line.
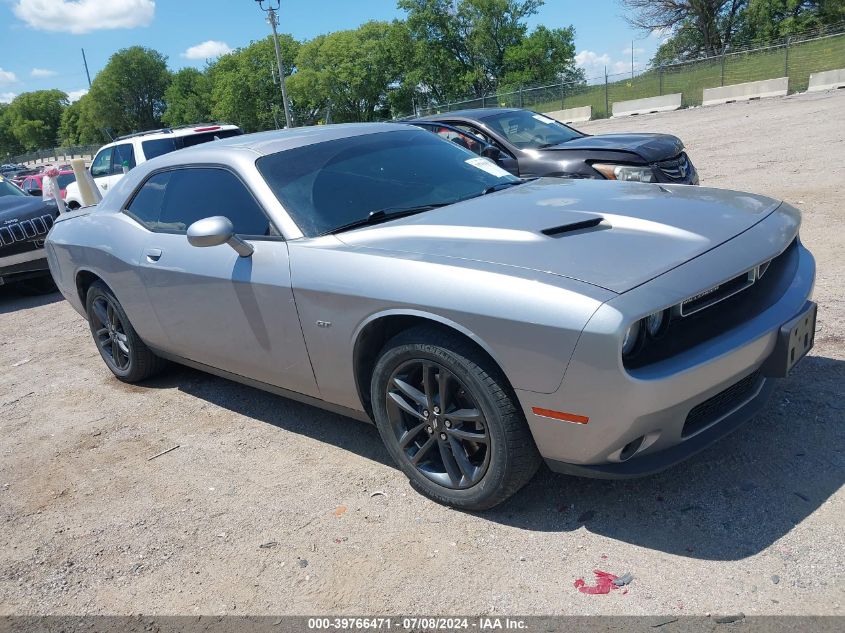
<point>230,312</point>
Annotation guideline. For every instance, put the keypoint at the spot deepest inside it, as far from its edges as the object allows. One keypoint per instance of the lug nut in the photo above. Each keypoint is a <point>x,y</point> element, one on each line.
<point>442,436</point>
<point>425,413</point>
<point>448,424</point>
<point>437,409</point>
<point>429,430</point>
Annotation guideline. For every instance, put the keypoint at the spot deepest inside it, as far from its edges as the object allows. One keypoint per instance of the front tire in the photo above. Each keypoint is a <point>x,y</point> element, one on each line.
<point>123,351</point>
<point>450,420</point>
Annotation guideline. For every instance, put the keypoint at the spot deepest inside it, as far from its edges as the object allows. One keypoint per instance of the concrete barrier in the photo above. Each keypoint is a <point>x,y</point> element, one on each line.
<point>827,80</point>
<point>647,106</point>
<point>572,115</point>
<point>747,91</point>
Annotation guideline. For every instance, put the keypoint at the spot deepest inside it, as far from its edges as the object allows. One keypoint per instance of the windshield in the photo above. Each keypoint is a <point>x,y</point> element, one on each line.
<point>529,130</point>
<point>8,189</point>
<point>65,179</point>
<point>329,185</point>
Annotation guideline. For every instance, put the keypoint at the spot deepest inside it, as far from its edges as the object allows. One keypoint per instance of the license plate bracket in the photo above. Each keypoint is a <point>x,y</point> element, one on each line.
<point>795,338</point>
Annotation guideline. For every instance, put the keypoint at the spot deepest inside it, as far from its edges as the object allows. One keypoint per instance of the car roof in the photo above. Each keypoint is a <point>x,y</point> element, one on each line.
<point>185,130</point>
<point>473,113</point>
<point>263,143</point>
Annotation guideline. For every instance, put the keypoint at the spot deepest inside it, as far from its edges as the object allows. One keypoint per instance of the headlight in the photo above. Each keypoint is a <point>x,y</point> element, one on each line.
<point>632,337</point>
<point>625,172</point>
<point>655,323</point>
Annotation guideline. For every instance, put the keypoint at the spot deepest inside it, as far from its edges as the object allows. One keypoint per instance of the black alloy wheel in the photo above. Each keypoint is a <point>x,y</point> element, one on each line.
<point>438,424</point>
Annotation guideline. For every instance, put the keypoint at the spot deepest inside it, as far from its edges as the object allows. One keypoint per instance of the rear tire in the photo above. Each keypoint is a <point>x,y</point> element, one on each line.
<point>123,351</point>
<point>450,420</point>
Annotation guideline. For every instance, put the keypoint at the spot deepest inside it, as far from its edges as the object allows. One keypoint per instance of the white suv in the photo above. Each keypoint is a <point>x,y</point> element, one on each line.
<point>134,149</point>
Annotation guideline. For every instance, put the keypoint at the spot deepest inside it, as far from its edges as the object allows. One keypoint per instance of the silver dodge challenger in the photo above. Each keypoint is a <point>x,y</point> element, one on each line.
<point>484,323</point>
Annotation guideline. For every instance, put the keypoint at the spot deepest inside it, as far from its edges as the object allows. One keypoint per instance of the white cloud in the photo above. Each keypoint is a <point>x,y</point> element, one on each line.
<point>84,16</point>
<point>42,72</point>
<point>592,63</point>
<point>76,95</point>
<point>7,97</point>
<point>7,77</point>
<point>637,51</point>
<point>207,50</point>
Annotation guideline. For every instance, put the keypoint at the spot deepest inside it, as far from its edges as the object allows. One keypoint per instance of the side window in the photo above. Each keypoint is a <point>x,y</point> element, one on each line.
<point>484,137</point>
<point>173,200</point>
<point>101,165</point>
<point>122,154</point>
<point>146,205</point>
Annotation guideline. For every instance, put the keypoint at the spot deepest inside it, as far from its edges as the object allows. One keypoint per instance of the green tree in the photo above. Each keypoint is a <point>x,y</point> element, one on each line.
<point>34,118</point>
<point>9,145</point>
<point>244,85</point>
<point>546,56</point>
<point>771,19</point>
<point>69,126</point>
<point>128,94</point>
<point>708,27</point>
<point>350,71</point>
<point>188,98</point>
<point>472,47</point>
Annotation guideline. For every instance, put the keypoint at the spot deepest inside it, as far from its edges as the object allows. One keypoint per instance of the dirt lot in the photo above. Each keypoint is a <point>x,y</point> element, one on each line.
<point>268,506</point>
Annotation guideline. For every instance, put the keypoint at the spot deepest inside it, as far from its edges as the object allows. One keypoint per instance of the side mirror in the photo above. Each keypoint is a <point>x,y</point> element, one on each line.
<point>215,231</point>
<point>502,159</point>
<point>35,192</point>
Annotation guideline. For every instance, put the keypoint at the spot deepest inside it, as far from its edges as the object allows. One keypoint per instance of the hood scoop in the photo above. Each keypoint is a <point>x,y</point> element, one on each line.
<point>557,231</point>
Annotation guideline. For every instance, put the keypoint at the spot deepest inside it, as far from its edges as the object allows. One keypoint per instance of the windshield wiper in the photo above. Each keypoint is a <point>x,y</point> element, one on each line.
<point>506,185</point>
<point>385,215</point>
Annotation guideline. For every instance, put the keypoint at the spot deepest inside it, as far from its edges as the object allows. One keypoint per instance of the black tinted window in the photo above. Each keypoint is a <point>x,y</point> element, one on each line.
<point>146,205</point>
<point>123,155</point>
<point>172,201</point>
<point>158,147</point>
<point>328,185</point>
<point>161,146</point>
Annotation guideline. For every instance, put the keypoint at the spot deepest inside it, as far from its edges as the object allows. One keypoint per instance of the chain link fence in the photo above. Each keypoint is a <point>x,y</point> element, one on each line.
<point>796,58</point>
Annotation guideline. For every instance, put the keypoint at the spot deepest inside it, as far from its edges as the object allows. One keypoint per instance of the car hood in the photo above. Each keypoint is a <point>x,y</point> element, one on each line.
<point>14,209</point>
<point>610,234</point>
<point>649,147</point>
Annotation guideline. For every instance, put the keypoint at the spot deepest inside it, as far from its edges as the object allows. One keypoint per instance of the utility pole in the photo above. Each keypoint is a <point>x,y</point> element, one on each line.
<point>272,17</point>
<point>87,74</point>
<point>632,60</point>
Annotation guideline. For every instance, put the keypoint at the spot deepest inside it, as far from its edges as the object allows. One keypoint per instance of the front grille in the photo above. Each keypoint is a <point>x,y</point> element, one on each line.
<point>685,332</point>
<point>26,230</point>
<point>677,168</point>
<point>722,404</point>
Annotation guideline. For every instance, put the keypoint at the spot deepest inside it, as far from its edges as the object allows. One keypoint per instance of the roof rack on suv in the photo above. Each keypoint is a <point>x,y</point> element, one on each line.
<point>164,130</point>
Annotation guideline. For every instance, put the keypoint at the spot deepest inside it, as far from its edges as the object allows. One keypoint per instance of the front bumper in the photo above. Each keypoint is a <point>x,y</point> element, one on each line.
<point>23,265</point>
<point>638,419</point>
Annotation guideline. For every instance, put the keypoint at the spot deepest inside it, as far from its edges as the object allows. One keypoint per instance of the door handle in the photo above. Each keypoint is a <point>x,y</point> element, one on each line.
<point>153,254</point>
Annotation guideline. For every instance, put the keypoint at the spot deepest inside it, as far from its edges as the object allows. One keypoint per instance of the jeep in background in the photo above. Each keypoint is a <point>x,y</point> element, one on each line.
<point>133,149</point>
<point>24,223</point>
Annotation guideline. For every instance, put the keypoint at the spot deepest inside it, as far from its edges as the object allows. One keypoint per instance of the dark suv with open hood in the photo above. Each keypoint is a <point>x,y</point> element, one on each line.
<point>530,144</point>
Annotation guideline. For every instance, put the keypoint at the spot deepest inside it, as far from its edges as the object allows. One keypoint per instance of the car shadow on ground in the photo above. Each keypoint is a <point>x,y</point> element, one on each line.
<point>12,300</point>
<point>733,500</point>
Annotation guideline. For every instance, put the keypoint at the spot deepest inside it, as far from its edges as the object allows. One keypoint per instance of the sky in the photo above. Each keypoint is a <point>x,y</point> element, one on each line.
<point>41,40</point>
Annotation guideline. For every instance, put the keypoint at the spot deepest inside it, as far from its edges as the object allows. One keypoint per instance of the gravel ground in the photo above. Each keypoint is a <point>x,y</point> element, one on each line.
<point>269,506</point>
